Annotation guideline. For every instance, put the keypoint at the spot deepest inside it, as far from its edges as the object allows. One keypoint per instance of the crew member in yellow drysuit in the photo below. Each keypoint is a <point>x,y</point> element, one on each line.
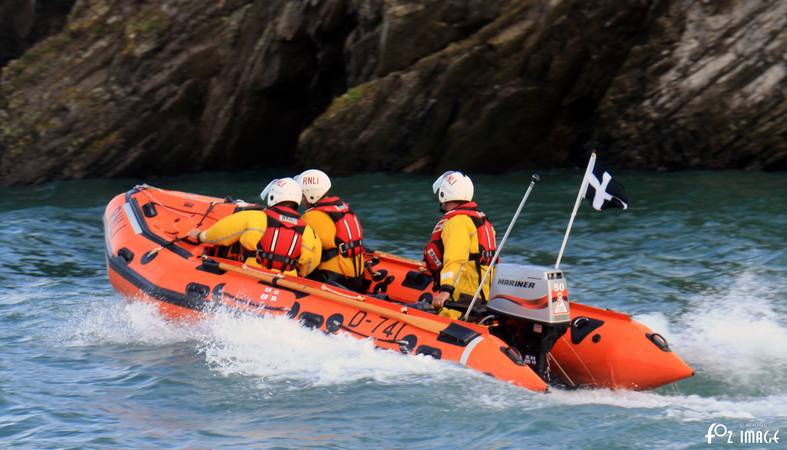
<point>338,228</point>
<point>275,238</point>
<point>462,244</point>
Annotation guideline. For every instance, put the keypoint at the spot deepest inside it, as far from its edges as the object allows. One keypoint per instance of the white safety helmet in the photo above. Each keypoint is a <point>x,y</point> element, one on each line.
<point>314,183</point>
<point>453,186</point>
<point>281,190</point>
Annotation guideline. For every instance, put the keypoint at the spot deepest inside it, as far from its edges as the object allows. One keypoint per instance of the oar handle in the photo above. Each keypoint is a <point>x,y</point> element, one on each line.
<point>397,258</point>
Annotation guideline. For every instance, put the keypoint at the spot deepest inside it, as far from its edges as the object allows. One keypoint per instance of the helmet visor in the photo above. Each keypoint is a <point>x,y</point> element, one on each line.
<point>267,190</point>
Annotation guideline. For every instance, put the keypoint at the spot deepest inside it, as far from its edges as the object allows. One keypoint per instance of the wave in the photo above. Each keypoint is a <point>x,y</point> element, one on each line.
<point>279,349</point>
<point>272,349</point>
<point>681,407</point>
<point>127,323</point>
<point>279,352</point>
<point>736,337</point>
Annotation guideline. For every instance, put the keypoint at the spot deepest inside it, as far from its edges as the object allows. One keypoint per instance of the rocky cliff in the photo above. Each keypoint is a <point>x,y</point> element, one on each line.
<point>24,22</point>
<point>113,87</point>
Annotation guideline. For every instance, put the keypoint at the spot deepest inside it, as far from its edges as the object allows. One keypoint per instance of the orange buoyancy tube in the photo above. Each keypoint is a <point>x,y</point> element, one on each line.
<point>280,245</point>
<point>433,252</point>
<point>349,233</point>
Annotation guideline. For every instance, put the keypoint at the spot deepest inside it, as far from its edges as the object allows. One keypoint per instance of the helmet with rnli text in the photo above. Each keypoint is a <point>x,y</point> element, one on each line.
<point>453,186</point>
<point>281,190</point>
<point>314,183</point>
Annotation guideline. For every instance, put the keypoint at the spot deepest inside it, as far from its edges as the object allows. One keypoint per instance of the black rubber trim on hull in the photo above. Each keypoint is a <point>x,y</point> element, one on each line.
<point>582,326</point>
<point>198,303</point>
<point>165,295</point>
<point>457,335</point>
<point>135,209</point>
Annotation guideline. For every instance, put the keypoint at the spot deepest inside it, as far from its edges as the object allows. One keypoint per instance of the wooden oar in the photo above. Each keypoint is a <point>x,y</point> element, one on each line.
<point>423,323</point>
<point>398,258</point>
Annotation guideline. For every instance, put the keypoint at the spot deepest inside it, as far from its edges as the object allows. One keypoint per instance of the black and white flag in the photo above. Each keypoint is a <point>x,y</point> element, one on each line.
<point>601,190</point>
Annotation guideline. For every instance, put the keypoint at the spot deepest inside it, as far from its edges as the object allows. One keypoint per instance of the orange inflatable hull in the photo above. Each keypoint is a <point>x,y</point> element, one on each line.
<point>602,348</point>
<point>185,282</point>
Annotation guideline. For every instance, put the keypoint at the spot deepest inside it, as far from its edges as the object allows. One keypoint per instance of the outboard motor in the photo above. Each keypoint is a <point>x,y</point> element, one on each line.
<point>531,304</point>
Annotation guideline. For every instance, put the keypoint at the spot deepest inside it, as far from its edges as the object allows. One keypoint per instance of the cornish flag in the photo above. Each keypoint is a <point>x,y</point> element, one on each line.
<point>601,190</point>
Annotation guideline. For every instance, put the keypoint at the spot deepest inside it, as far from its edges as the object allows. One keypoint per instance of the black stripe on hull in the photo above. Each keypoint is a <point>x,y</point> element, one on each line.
<point>176,298</point>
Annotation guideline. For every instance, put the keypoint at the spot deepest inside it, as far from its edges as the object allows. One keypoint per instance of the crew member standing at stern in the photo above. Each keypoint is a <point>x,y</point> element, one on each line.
<point>338,228</point>
<point>462,244</point>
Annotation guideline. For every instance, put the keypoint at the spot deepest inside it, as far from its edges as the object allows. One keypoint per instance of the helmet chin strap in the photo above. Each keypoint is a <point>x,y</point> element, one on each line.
<point>445,209</point>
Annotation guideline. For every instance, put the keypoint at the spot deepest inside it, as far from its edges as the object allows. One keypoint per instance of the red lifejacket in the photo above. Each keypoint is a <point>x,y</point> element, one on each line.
<point>433,252</point>
<point>349,234</point>
<point>280,245</point>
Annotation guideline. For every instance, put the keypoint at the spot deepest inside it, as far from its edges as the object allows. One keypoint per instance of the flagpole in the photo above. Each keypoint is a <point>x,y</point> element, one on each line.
<point>535,178</point>
<point>580,194</point>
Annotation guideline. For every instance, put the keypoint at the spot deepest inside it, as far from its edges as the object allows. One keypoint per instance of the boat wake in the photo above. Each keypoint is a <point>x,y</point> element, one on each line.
<point>125,322</point>
<point>736,344</point>
<point>679,406</point>
<point>737,337</point>
<point>278,349</point>
<point>272,349</point>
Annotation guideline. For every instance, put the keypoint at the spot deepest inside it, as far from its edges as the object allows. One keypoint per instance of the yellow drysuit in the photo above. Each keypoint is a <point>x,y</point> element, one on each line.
<point>248,228</point>
<point>460,240</point>
<point>325,229</point>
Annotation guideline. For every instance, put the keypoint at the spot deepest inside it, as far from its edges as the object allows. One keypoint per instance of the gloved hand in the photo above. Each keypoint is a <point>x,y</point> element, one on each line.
<point>439,300</point>
<point>192,236</point>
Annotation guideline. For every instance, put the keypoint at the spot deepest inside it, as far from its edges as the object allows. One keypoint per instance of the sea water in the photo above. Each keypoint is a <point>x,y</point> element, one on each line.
<point>699,257</point>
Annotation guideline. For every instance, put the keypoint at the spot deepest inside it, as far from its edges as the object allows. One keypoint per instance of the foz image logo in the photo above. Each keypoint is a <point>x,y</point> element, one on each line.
<point>718,430</point>
<point>749,436</point>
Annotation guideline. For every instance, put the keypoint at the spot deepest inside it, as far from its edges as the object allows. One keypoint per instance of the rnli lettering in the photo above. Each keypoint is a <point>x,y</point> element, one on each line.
<point>115,222</point>
<point>433,256</point>
<point>516,283</point>
<point>310,180</point>
<point>115,217</point>
<point>283,218</point>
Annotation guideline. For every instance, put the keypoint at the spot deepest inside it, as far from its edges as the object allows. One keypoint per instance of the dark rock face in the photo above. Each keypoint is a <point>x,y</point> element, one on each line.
<point>16,22</point>
<point>517,90</point>
<point>143,87</point>
<point>163,87</point>
<point>24,22</point>
<point>707,89</point>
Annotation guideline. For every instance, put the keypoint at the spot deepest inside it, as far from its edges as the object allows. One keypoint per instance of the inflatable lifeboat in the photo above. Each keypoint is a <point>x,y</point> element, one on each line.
<point>529,333</point>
